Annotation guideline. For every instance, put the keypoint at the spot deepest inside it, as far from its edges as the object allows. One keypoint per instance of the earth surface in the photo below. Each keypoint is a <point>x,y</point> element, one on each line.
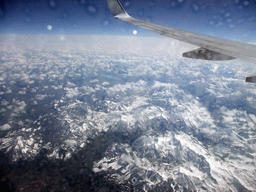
<point>91,114</point>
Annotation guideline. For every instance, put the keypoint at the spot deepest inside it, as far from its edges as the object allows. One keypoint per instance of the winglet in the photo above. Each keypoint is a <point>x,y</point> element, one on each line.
<point>116,7</point>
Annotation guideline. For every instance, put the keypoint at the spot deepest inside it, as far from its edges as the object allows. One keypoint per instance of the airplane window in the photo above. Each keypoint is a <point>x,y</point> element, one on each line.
<point>109,95</point>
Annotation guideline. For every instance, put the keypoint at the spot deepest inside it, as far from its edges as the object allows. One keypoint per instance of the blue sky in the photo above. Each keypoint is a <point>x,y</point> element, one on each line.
<point>232,19</point>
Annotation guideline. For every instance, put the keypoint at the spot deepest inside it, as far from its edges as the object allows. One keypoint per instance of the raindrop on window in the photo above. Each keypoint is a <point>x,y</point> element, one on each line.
<point>127,4</point>
<point>246,3</point>
<point>141,12</point>
<point>227,15</point>
<point>220,24</point>
<point>83,2</point>
<point>152,4</point>
<point>53,4</point>
<point>240,20</point>
<point>105,22</point>
<point>65,14</point>
<point>175,4</point>
<point>91,10</point>
<point>62,38</point>
<point>231,25</point>
<point>49,27</point>
<point>195,7</point>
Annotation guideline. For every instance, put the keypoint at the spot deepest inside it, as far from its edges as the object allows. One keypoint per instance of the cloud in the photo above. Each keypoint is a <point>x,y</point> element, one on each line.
<point>72,92</point>
<point>5,127</point>
<point>4,102</point>
<point>71,143</point>
<point>133,87</point>
<point>147,94</point>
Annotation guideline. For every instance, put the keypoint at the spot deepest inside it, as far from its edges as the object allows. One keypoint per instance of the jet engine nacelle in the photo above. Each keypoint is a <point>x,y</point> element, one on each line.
<point>206,54</point>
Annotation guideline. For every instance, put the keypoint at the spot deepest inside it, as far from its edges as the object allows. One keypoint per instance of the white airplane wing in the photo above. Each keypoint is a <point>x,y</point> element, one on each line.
<point>210,48</point>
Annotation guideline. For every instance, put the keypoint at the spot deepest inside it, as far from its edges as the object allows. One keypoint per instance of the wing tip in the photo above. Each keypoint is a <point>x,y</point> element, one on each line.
<point>115,7</point>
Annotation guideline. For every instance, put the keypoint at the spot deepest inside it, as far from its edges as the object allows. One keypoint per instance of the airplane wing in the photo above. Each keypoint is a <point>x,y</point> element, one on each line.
<point>210,48</point>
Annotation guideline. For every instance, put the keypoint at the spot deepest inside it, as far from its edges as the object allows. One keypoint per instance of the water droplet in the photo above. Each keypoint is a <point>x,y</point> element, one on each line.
<point>195,7</point>
<point>53,4</point>
<point>240,20</point>
<point>148,19</point>
<point>246,3</point>
<point>65,14</point>
<point>83,2</point>
<point>203,7</point>
<point>229,20</point>
<point>127,4</point>
<point>227,15</point>
<point>105,23</point>
<point>220,24</point>
<point>152,4</point>
<point>49,27</point>
<point>141,12</point>
<point>231,25</point>
<point>123,30</point>
<point>175,4</point>
<point>91,10</point>
<point>62,38</point>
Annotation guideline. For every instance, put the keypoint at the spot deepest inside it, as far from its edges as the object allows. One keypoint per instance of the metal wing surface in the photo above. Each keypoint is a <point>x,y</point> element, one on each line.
<point>210,48</point>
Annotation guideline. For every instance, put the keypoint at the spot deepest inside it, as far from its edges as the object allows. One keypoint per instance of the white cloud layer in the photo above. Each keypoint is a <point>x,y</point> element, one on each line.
<point>189,120</point>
